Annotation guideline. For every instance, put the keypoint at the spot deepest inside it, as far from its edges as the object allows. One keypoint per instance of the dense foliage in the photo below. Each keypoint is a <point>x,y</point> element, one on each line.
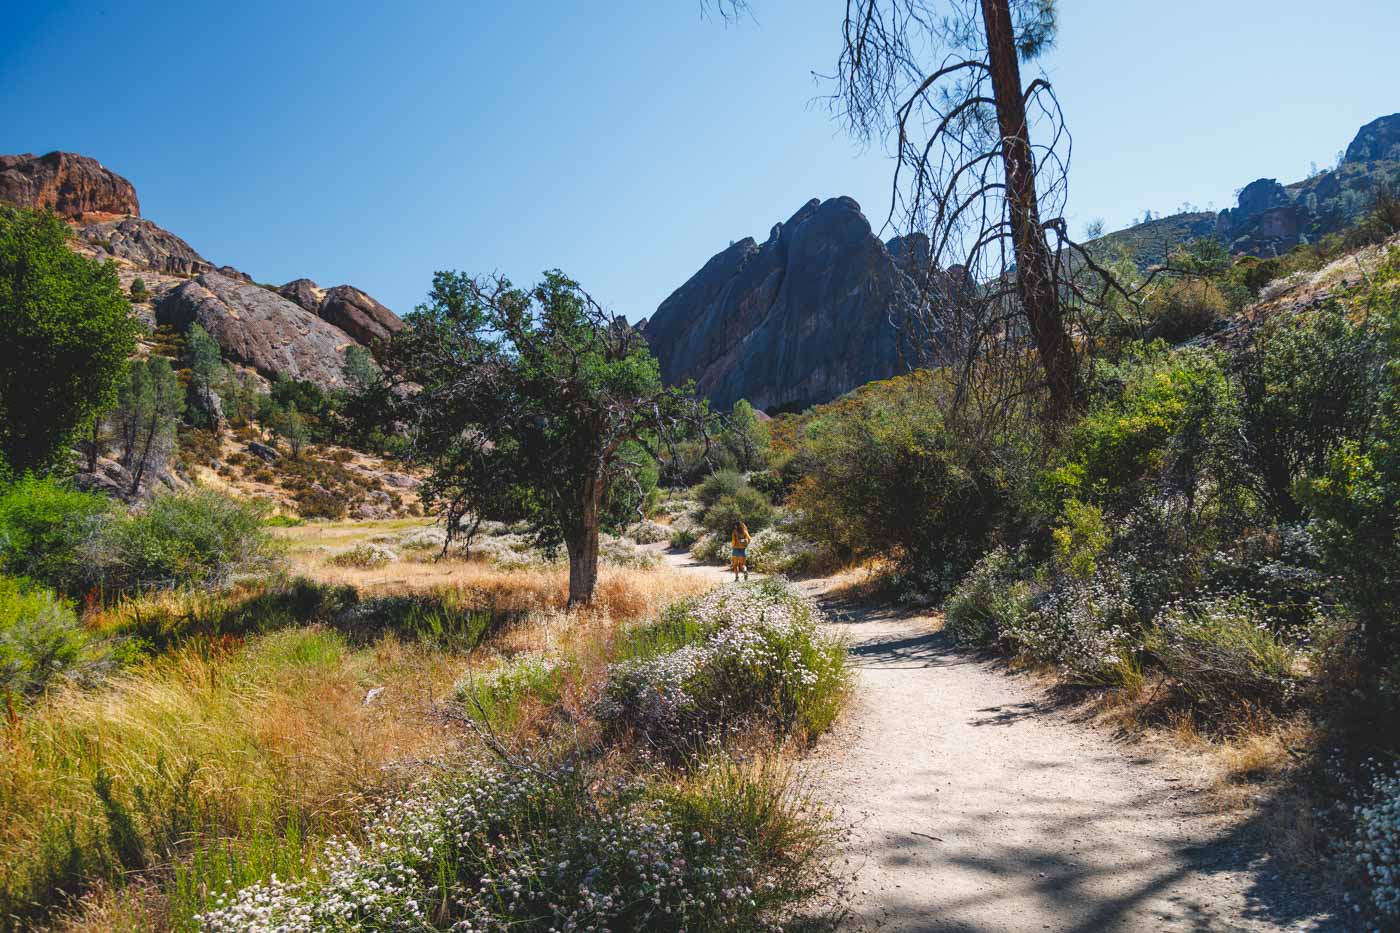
<point>67,330</point>
<point>534,405</point>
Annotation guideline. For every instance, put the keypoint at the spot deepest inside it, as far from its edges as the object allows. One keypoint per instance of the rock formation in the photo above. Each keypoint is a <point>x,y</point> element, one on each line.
<point>1377,141</point>
<point>305,293</point>
<point>72,186</point>
<point>144,244</point>
<point>359,315</point>
<point>810,314</point>
<point>259,328</point>
<point>345,306</point>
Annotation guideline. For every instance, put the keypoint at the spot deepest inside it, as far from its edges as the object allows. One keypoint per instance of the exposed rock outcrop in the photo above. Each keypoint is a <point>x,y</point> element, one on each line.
<point>1266,222</point>
<point>259,328</point>
<point>71,185</point>
<point>813,312</point>
<point>359,315</point>
<point>305,293</point>
<point>145,244</point>
<point>1377,141</point>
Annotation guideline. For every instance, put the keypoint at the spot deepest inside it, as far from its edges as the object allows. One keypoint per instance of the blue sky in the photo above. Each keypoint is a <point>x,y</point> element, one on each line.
<point>625,142</point>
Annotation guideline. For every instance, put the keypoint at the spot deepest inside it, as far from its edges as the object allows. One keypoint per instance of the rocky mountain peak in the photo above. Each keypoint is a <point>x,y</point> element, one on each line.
<point>73,186</point>
<point>1376,141</point>
<point>804,317</point>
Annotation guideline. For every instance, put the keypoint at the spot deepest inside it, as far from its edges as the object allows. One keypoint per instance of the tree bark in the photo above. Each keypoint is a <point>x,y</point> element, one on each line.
<point>582,545</point>
<point>1035,281</point>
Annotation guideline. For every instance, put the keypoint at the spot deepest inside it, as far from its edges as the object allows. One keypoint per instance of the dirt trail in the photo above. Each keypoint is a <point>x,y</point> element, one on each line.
<point>975,806</point>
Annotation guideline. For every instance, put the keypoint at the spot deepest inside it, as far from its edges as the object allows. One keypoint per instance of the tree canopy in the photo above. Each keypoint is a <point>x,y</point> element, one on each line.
<point>67,330</point>
<point>532,404</point>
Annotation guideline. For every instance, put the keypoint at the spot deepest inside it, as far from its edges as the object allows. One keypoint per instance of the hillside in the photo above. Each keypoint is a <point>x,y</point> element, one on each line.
<point>1270,218</point>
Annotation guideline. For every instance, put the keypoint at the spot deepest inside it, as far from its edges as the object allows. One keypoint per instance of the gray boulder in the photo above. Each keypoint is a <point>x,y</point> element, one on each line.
<point>259,328</point>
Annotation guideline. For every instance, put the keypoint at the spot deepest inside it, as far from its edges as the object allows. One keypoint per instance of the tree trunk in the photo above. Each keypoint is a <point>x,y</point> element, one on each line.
<point>582,545</point>
<point>1035,281</point>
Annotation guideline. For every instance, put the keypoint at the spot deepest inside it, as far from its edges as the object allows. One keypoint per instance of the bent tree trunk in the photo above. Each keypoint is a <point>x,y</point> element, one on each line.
<point>581,542</point>
<point>1035,283</point>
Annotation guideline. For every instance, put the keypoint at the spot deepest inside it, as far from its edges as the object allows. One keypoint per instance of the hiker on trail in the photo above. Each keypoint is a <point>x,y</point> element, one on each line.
<point>739,543</point>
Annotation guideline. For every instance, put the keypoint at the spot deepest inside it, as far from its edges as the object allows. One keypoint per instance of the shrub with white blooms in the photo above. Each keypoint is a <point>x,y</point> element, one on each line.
<point>757,651</point>
<point>1376,846</point>
<point>519,851</point>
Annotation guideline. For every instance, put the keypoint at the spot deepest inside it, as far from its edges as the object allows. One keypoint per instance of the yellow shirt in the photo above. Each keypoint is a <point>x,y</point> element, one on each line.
<point>739,538</point>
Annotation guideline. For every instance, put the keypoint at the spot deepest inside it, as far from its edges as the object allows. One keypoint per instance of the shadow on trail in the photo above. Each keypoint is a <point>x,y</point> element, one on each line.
<point>1092,868</point>
<point>1088,898</point>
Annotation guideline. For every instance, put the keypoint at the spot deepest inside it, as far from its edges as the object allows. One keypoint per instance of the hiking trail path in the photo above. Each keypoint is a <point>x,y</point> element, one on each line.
<point>972,802</point>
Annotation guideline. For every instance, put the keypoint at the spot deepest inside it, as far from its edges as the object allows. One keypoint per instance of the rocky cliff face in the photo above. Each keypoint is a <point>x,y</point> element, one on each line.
<point>259,328</point>
<point>72,186</point>
<point>809,314</point>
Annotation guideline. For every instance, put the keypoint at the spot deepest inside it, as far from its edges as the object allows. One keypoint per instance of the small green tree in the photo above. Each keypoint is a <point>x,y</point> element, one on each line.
<point>148,411</point>
<point>746,438</point>
<point>289,425</point>
<point>66,329</point>
<point>533,404</point>
<point>139,292</point>
<point>203,358</point>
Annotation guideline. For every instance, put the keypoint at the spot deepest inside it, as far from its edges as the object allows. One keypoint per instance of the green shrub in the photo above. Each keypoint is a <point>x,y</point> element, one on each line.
<point>365,556</point>
<point>40,638</point>
<point>1089,628</point>
<point>683,538</point>
<point>990,601</point>
<point>1222,655</point>
<point>750,653</point>
<point>890,479</point>
<point>747,506</point>
<point>198,538</point>
<point>719,485</point>
<point>1185,309</point>
<point>43,526</point>
<point>500,697</point>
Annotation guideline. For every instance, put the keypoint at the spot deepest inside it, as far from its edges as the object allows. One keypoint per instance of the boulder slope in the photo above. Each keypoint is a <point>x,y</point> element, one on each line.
<point>72,186</point>
<point>259,328</point>
<point>808,315</point>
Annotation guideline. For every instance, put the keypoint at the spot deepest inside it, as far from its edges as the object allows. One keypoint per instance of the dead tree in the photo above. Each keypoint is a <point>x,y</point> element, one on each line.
<point>981,166</point>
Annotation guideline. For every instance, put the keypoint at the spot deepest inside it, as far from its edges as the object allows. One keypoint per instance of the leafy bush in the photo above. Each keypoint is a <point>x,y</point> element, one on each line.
<point>43,525</point>
<point>719,485</point>
<point>683,538</point>
<point>365,556</point>
<point>1185,309</point>
<point>40,638</point>
<point>773,550</point>
<point>747,506</point>
<point>1222,654</point>
<point>1086,626</point>
<point>67,330</point>
<point>198,538</point>
<point>888,478</point>
<point>989,602</point>
<point>752,652</point>
<point>493,851</point>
